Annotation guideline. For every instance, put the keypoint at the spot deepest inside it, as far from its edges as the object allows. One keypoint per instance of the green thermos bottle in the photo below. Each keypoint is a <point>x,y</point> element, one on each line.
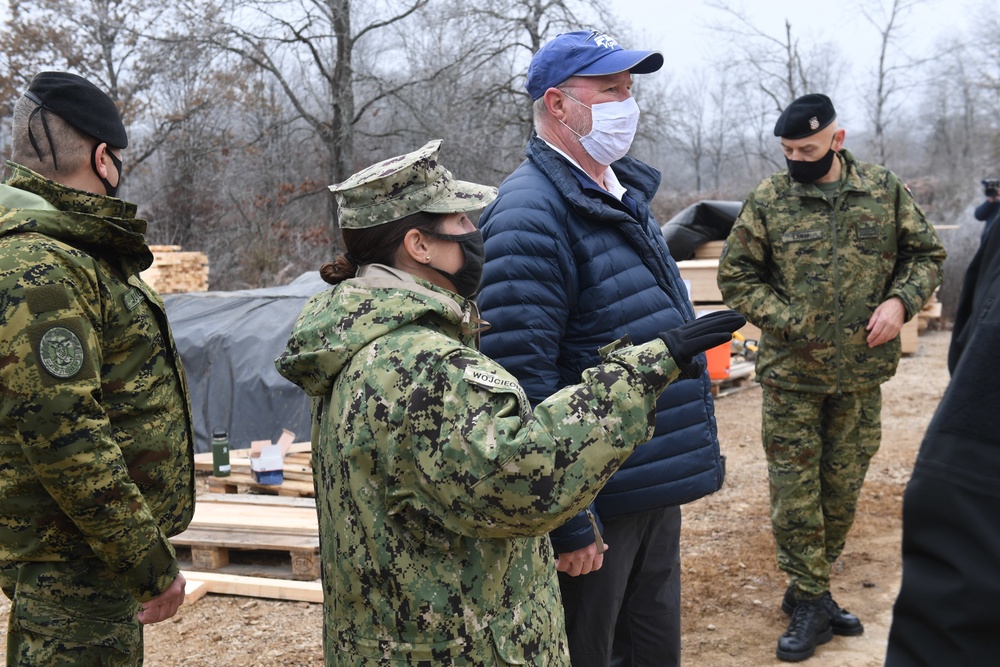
<point>220,452</point>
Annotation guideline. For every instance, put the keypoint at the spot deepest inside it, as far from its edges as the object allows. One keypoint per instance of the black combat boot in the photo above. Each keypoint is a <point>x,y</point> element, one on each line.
<point>809,628</point>
<point>843,622</point>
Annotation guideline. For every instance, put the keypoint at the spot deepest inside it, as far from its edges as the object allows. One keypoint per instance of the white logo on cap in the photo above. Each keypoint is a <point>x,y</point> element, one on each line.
<point>813,123</point>
<point>603,40</point>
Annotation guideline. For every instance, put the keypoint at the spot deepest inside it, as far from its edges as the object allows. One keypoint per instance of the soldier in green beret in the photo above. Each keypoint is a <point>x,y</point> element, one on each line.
<point>95,424</point>
<point>829,258</point>
<point>436,480</point>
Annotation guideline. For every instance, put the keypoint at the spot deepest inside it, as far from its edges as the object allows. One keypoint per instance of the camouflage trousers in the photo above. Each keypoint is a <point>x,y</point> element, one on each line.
<point>70,614</point>
<point>818,448</point>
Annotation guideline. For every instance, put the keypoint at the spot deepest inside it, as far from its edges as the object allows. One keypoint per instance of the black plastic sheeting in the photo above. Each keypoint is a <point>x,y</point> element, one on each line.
<point>228,342</point>
<point>708,220</point>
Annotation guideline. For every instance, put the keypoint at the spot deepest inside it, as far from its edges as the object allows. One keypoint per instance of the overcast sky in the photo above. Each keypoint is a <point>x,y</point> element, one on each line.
<point>681,29</point>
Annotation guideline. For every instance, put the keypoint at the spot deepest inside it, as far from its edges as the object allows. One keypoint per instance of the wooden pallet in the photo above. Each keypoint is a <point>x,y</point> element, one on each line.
<point>224,523</point>
<point>297,474</point>
<point>243,484</point>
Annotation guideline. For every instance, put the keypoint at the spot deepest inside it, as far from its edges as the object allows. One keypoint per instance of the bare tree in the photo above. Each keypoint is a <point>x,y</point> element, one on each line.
<point>781,66</point>
<point>889,20</point>
<point>314,49</point>
<point>107,41</point>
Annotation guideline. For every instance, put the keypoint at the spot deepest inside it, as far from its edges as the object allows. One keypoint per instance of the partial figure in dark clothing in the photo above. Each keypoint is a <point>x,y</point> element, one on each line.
<point>947,612</point>
<point>575,261</point>
<point>988,210</point>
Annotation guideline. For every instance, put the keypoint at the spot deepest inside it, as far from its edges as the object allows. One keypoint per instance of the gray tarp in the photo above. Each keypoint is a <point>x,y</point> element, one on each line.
<point>228,342</point>
<point>708,220</point>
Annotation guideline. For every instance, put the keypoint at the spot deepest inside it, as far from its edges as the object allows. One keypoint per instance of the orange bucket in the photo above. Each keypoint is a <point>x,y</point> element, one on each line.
<point>718,361</point>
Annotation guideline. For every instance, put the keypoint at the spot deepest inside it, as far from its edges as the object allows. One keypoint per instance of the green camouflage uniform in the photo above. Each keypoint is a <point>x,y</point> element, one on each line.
<point>96,458</point>
<point>437,483</point>
<point>809,270</point>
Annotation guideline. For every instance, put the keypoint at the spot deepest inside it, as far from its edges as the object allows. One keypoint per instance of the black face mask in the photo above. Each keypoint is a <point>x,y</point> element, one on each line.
<point>804,171</point>
<point>112,190</point>
<point>467,279</point>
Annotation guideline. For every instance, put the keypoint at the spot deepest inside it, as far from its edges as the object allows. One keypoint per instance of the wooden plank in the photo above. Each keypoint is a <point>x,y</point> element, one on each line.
<point>255,499</point>
<point>194,590</point>
<point>233,483</point>
<point>709,250</point>
<point>241,540</point>
<point>701,274</point>
<point>258,587</point>
<point>265,519</point>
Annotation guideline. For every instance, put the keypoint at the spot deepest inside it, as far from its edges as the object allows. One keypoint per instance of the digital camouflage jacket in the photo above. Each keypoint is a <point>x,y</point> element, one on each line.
<point>96,452</point>
<point>810,271</point>
<point>437,483</point>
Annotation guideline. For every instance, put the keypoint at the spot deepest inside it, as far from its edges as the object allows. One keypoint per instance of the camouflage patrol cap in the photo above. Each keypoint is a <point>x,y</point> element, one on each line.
<point>804,117</point>
<point>403,185</point>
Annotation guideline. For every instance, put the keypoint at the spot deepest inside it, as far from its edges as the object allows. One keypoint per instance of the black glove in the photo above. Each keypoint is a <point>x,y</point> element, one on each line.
<point>689,340</point>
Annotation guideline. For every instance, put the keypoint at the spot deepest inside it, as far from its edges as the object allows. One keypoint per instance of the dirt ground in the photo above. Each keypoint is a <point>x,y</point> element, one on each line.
<point>731,587</point>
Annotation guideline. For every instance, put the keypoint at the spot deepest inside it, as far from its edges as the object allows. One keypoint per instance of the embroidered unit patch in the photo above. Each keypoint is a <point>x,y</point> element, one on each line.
<point>60,352</point>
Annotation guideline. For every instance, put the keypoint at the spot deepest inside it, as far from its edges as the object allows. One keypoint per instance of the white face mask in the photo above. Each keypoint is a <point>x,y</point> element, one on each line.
<point>612,129</point>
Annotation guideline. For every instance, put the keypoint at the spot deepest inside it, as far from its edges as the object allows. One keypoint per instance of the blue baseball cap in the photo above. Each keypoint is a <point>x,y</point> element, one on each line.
<point>584,53</point>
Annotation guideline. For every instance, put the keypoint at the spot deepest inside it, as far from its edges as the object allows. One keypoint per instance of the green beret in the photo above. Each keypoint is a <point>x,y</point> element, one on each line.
<point>403,185</point>
<point>81,104</point>
<point>805,116</point>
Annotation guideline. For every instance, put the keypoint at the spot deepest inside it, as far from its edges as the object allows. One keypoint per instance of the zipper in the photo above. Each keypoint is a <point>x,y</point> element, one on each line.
<point>836,294</point>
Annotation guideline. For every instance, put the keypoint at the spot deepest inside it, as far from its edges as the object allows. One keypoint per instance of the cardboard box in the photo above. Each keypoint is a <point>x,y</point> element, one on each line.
<point>267,460</point>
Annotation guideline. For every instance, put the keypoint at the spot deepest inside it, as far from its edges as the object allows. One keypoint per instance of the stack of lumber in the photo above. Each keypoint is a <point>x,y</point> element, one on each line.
<point>297,474</point>
<point>175,271</point>
<point>246,522</point>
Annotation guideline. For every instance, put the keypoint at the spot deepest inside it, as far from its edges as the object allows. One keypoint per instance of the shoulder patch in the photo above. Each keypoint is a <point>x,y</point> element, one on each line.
<point>60,352</point>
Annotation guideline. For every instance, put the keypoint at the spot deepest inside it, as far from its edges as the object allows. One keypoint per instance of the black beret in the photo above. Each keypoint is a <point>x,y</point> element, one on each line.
<point>805,116</point>
<point>81,104</point>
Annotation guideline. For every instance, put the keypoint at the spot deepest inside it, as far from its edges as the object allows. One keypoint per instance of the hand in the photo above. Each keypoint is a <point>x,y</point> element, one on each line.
<point>886,321</point>
<point>700,334</point>
<point>164,605</point>
<point>581,561</point>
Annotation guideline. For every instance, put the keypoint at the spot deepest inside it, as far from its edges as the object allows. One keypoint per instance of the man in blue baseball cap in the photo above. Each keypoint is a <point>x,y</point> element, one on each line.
<point>574,261</point>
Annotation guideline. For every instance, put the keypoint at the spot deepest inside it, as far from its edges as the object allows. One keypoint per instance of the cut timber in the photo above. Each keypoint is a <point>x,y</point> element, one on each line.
<point>254,499</point>
<point>194,590</point>
<point>701,274</point>
<point>267,519</point>
<point>256,587</point>
<point>174,271</point>
<point>709,250</point>
<point>234,483</point>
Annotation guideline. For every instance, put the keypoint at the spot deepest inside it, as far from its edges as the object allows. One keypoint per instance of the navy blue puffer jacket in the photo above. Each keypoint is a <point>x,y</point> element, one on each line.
<point>569,269</point>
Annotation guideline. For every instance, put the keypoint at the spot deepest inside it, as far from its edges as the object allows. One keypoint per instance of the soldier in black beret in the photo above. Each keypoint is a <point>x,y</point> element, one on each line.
<point>96,441</point>
<point>84,107</point>
<point>829,258</point>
